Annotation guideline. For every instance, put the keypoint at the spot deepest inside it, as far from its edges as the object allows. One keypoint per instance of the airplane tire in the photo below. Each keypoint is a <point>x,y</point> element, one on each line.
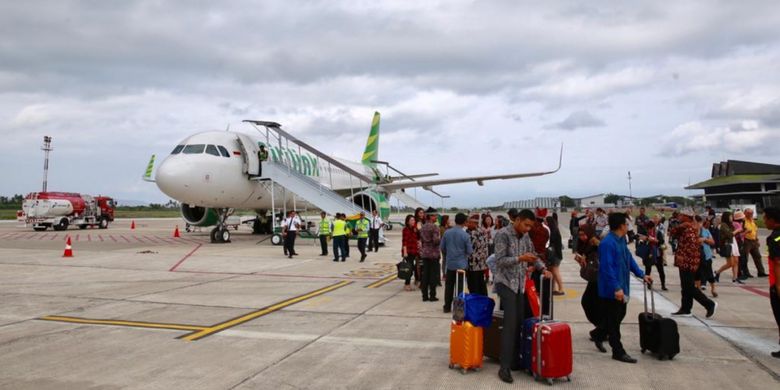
<point>214,236</point>
<point>276,239</point>
<point>224,235</point>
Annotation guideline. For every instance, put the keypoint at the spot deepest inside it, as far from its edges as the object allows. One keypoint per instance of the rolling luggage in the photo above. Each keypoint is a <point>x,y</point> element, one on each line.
<point>552,355</point>
<point>657,334</point>
<point>465,341</point>
<point>492,336</point>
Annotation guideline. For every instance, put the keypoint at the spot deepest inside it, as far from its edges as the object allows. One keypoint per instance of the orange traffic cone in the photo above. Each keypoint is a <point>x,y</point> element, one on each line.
<point>176,232</point>
<point>132,225</point>
<point>68,249</point>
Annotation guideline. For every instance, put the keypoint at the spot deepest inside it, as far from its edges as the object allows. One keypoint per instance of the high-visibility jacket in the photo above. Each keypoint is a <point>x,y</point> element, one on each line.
<point>362,227</point>
<point>339,228</point>
<point>324,227</point>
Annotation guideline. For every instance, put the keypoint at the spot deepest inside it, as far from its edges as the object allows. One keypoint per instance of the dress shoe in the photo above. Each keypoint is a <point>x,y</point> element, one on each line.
<point>624,358</point>
<point>763,275</point>
<point>434,299</point>
<point>664,288</point>
<point>680,313</point>
<point>447,309</point>
<point>343,259</point>
<point>335,259</point>
<point>290,256</point>
<point>600,346</point>
<point>425,299</point>
<point>776,354</point>
<point>505,375</point>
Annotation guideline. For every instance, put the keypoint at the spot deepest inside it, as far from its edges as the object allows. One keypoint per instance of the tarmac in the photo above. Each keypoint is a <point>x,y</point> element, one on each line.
<point>140,309</point>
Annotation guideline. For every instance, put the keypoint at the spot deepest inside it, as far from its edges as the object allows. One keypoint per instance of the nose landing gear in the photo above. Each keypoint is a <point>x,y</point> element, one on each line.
<point>221,234</point>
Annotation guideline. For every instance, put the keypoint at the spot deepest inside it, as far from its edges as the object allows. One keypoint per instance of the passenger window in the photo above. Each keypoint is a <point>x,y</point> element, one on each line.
<point>194,149</point>
<point>212,150</point>
<point>223,151</point>
<point>177,149</point>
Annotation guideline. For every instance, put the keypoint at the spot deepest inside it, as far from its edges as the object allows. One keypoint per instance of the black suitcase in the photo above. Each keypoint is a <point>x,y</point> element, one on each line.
<point>657,334</point>
<point>491,347</point>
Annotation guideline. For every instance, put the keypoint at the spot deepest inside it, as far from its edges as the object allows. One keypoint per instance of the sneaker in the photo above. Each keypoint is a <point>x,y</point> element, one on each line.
<point>763,275</point>
<point>711,311</point>
<point>776,354</point>
<point>681,314</point>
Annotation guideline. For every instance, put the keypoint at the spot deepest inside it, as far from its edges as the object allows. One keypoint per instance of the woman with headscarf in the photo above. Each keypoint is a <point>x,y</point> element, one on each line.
<point>588,257</point>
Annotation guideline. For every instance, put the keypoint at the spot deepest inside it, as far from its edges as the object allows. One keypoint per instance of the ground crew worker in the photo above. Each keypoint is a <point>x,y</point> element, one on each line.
<point>262,155</point>
<point>339,237</point>
<point>362,226</point>
<point>324,233</point>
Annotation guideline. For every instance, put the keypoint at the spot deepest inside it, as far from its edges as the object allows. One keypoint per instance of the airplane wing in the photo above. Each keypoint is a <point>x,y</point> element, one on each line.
<point>392,187</point>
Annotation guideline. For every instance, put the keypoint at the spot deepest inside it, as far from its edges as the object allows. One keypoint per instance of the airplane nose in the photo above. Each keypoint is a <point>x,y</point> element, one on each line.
<point>172,178</point>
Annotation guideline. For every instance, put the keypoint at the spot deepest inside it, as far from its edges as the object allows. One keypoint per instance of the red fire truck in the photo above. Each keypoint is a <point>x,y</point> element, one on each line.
<point>59,210</point>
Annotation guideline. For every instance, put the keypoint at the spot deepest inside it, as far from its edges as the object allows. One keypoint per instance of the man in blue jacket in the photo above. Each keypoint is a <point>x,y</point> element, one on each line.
<point>456,247</point>
<point>615,264</point>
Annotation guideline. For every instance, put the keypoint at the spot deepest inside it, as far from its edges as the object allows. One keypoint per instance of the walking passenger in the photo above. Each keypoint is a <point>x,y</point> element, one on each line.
<point>772,222</point>
<point>688,259</point>
<point>410,246</point>
<point>555,255</point>
<point>324,233</point>
<point>574,229</point>
<point>514,254</point>
<point>477,260</point>
<point>739,234</point>
<point>705,274</point>
<point>615,265</point>
<point>588,258</point>
<point>455,248</point>
<point>601,220</point>
<point>373,234</point>
<point>540,237</point>
<point>430,238</point>
<point>652,240</point>
<point>728,249</point>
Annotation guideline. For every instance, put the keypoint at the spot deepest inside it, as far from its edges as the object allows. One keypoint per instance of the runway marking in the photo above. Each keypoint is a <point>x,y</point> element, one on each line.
<point>184,258</point>
<point>132,324</point>
<point>259,313</point>
<point>112,238</point>
<point>54,236</point>
<point>77,237</point>
<point>100,237</point>
<point>89,237</point>
<point>125,238</point>
<point>383,281</point>
<point>755,290</point>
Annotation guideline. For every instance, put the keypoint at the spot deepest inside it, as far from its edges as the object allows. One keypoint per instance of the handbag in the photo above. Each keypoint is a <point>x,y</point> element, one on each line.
<point>478,309</point>
<point>532,296</point>
<point>642,249</point>
<point>590,271</point>
<point>404,270</point>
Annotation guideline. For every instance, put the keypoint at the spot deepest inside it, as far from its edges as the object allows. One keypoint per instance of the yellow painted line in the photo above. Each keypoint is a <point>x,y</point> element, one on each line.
<point>382,282</point>
<point>134,324</point>
<point>201,333</point>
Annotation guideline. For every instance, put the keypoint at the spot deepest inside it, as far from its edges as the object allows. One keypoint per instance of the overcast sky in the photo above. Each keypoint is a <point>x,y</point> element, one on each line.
<point>662,89</point>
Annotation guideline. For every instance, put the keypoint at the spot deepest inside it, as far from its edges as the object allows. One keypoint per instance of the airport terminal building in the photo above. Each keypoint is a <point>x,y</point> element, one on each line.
<point>736,182</point>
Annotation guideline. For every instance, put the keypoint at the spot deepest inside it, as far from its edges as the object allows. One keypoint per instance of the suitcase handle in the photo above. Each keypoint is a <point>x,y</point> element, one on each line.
<point>459,273</point>
<point>541,299</point>
<point>652,296</point>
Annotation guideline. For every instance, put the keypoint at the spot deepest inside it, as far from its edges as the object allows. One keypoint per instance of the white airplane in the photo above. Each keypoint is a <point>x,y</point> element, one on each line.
<point>214,172</point>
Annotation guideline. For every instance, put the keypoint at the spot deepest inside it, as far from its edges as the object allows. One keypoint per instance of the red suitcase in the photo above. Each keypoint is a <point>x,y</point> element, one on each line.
<point>552,355</point>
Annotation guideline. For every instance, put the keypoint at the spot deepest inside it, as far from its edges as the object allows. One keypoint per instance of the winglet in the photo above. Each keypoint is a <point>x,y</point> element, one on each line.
<point>560,160</point>
<point>149,168</point>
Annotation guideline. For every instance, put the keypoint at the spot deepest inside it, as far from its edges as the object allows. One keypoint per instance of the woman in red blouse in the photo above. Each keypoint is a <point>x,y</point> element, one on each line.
<point>410,246</point>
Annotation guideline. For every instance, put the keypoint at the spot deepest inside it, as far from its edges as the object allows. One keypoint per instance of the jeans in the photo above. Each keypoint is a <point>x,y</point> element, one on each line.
<point>373,240</point>
<point>514,314</point>
<point>449,287</point>
<point>614,312</point>
<point>430,278</point>
<point>690,292</point>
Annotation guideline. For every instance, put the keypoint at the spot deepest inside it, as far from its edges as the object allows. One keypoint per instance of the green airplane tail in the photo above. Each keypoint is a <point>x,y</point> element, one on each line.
<point>372,144</point>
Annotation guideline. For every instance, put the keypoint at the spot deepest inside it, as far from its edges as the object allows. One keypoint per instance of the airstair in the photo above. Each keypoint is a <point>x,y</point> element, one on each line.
<point>288,171</point>
<point>307,188</point>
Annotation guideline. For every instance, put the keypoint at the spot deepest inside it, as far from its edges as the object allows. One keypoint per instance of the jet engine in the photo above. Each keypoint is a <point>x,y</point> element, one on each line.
<point>199,216</point>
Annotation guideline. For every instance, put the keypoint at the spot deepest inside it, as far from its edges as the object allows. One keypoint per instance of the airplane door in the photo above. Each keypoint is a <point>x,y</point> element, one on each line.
<point>249,152</point>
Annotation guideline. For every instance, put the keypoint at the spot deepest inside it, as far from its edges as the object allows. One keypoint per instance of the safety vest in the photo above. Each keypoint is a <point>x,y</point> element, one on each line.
<point>362,226</point>
<point>324,227</point>
<point>339,228</point>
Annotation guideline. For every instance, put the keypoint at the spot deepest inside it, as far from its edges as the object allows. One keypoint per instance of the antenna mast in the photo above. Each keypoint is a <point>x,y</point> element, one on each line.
<point>630,194</point>
<point>46,148</point>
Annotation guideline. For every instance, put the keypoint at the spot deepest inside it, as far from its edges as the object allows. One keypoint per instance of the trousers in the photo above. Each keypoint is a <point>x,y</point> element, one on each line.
<point>373,240</point>
<point>430,278</point>
<point>614,313</point>
<point>690,292</point>
<point>289,242</point>
<point>514,314</point>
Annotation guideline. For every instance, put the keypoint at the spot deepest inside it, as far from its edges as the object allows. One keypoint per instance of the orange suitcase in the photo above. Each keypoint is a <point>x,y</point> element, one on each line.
<point>465,346</point>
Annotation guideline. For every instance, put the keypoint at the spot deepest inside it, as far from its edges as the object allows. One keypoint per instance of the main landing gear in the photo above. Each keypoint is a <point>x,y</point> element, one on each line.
<point>221,234</point>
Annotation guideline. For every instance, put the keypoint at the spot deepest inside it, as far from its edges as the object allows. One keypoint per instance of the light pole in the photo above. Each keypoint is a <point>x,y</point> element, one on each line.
<point>46,148</point>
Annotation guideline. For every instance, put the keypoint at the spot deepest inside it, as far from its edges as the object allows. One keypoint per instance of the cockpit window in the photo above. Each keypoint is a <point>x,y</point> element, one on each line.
<point>212,150</point>
<point>194,149</point>
<point>223,151</point>
<point>177,149</point>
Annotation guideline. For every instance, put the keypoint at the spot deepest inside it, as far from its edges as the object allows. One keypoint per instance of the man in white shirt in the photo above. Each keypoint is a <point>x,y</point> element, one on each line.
<point>290,226</point>
<point>373,232</point>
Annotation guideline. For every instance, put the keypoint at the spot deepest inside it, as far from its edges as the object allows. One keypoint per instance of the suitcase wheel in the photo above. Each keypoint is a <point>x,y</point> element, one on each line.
<point>452,366</point>
<point>568,379</point>
<point>643,350</point>
<point>464,371</point>
<point>549,382</point>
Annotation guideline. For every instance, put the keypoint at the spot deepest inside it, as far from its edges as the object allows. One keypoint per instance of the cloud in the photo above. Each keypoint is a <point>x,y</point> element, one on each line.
<point>578,119</point>
<point>748,137</point>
